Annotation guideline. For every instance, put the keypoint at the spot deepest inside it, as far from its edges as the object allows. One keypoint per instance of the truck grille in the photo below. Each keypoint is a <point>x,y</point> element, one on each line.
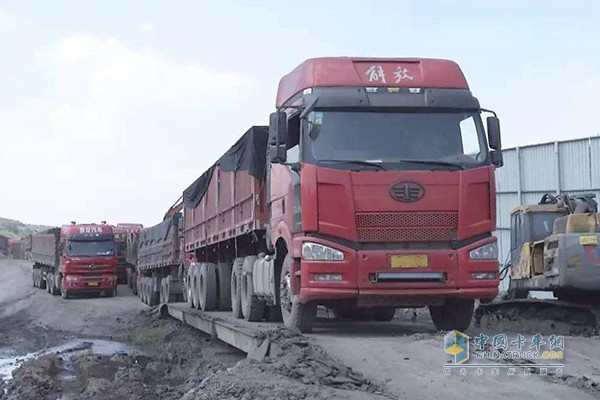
<point>406,226</point>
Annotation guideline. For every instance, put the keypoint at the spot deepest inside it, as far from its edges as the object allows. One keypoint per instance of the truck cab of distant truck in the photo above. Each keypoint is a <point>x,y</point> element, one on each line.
<point>88,259</point>
<point>382,189</point>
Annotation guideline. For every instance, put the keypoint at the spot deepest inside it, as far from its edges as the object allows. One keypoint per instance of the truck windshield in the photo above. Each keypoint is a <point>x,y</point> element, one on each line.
<point>81,248</point>
<point>398,140</point>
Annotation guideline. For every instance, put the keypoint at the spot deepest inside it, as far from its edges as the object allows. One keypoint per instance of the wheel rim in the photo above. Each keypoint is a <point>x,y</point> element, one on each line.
<point>285,293</point>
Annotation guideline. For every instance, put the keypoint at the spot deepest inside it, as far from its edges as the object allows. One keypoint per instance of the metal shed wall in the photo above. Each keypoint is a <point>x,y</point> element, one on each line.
<point>530,171</point>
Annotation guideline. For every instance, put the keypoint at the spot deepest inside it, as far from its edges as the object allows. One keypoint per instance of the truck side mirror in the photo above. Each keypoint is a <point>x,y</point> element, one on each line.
<point>493,129</point>
<point>496,158</point>
<point>277,153</point>
<point>277,137</point>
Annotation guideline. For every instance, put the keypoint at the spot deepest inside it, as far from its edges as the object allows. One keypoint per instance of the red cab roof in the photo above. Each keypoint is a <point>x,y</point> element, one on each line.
<point>85,228</point>
<point>370,72</point>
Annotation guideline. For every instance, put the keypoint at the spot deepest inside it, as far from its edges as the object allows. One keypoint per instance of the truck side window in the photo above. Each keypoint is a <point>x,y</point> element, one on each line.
<point>293,139</point>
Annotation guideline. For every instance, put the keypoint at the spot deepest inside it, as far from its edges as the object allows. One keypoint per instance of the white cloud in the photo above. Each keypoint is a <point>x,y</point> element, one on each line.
<point>7,21</point>
<point>115,139</point>
<point>147,28</point>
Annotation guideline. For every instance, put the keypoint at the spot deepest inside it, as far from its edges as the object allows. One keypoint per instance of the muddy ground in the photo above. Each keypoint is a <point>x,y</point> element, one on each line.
<point>118,348</point>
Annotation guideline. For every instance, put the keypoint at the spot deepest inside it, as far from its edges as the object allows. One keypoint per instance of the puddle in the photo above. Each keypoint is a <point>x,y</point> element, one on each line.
<point>10,362</point>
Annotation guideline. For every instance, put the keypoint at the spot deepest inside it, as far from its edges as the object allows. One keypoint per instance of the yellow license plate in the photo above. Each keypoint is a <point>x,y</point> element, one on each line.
<point>588,240</point>
<point>410,261</point>
<point>93,283</point>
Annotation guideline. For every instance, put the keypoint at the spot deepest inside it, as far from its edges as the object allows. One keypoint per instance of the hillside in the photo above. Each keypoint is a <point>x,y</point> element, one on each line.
<point>16,229</point>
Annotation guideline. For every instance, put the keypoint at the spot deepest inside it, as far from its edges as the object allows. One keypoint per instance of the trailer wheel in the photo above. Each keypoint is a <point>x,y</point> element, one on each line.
<point>128,279</point>
<point>162,291</point>
<point>50,283</point>
<point>207,285</point>
<point>224,278</point>
<point>196,285</point>
<point>42,282</point>
<point>296,315</point>
<point>253,308</point>
<point>236,298</point>
<point>153,295</point>
<point>384,313</point>
<point>34,278</point>
<point>455,314</point>
<point>189,288</point>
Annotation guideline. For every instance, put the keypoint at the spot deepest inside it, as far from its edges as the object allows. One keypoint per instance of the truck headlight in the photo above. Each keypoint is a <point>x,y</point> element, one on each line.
<point>318,252</point>
<point>486,252</point>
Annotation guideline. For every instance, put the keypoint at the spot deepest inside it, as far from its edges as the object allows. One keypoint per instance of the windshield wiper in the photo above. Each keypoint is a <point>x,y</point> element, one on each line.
<point>434,162</point>
<point>357,162</point>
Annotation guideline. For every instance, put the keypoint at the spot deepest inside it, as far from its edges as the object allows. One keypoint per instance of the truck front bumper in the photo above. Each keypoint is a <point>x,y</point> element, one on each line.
<point>368,277</point>
<point>82,283</point>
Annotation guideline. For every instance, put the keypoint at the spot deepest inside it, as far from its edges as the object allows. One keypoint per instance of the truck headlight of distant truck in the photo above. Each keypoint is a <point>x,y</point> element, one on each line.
<point>486,252</point>
<point>318,252</point>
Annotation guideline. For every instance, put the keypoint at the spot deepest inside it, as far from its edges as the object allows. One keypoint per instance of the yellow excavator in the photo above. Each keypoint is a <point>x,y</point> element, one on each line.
<point>554,248</point>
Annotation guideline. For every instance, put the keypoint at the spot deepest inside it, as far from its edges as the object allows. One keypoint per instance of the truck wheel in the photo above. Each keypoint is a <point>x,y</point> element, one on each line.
<point>384,313</point>
<point>134,283</point>
<point>207,296</point>
<point>273,313</point>
<point>64,293</point>
<point>33,278</point>
<point>162,291</point>
<point>224,278</point>
<point>253,308</point>
<point>49,283</point>
<point>196,285</point>
<point>455,314</point>
<point>153,295</point>
<point>42,282</point>
<point>296,315</point>
<point>236,298</point>
<point>189,288</point>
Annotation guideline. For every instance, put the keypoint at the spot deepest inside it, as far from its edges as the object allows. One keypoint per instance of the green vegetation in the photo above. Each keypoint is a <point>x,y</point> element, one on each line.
<point>16,229</point>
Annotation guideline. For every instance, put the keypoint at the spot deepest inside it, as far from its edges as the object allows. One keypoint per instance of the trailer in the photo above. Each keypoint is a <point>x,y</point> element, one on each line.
<point>15,249</point>
<point>371,189</point>
<point>74,259</point>
<point>124,268</point>
<point>159,261</point>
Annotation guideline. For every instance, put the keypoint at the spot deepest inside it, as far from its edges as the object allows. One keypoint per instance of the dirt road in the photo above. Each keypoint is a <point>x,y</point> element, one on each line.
<point>115,348</point>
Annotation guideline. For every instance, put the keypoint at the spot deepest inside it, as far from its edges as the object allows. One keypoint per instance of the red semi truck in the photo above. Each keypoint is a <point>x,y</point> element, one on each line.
<point>124,268</point>
<point>76,258</point>
<point>372,189</point>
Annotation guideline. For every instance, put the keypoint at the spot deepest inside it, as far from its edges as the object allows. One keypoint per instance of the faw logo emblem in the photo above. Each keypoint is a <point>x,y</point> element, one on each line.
<point>406,191</point>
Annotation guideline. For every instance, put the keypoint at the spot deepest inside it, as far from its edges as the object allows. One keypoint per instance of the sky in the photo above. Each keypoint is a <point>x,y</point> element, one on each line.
<point>109,110</point>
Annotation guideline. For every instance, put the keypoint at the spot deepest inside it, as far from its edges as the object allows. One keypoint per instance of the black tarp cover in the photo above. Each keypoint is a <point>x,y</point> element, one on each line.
<point>249,153</point>
<point>159,231</point>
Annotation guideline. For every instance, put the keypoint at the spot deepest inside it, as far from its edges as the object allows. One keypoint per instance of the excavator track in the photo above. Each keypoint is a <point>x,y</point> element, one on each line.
<point>539,316</point>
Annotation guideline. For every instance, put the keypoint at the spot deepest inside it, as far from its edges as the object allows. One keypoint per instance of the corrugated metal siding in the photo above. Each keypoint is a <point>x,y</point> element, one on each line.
<point>529,172</point>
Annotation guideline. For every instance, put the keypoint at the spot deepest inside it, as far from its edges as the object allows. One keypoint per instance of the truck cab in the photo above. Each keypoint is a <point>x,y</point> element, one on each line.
<point>382,191</point>
<point>88,259</point>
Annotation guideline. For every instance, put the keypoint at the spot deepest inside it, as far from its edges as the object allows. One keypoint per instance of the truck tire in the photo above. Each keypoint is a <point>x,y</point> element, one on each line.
<point>162,291</point>
<point>188,288</point>
<point>64,293</point>
<point>384,313</point>
<point>224,278</point>
<point>153,295</point>
<point>296,316</point>
<point>207,296</point>
<point>236,298</point>
<point>253,309</point>
<point>196,285</point>
<point>33,274</point>
<point>42,281</point>
<point>48,282</point>
<point>454,314</point>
